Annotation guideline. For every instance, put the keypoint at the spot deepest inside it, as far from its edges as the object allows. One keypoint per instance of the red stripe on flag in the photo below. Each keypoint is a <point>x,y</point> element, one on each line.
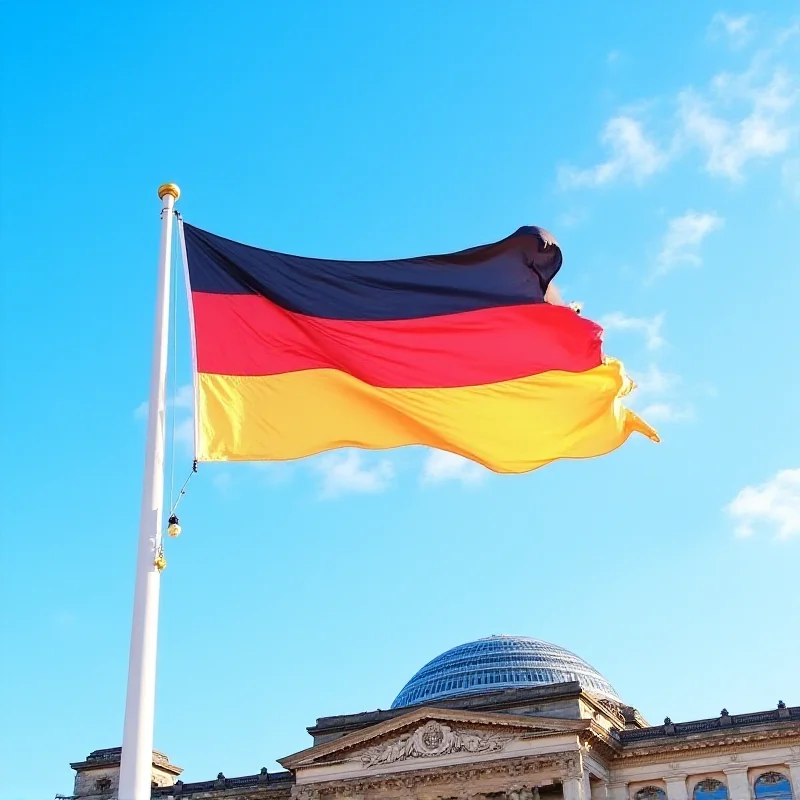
<point>248,335</point>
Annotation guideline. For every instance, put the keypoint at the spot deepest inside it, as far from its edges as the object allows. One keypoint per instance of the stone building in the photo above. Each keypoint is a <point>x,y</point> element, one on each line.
<point>509,718</point>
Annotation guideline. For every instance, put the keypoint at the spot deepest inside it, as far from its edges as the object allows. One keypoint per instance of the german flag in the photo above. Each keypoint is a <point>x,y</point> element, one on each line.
<point>296,356</point>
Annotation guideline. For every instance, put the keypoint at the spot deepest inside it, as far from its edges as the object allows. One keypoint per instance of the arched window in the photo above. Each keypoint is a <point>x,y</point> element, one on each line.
<point>710,789</point>
<point>772,786</point>
<point>650,793</point>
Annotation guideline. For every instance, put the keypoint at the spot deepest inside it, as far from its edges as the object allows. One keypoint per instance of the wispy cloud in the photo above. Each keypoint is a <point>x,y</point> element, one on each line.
<point>684,236</point>
<point>790,175</point>
<point>736,30</point>
<point>656,382</point>
<point>633,155</point>
<point>184,431</point>
<point>275,473</point>
<point>654,397</point>
<point>742,116</point>
<point>788,33</point>
<point>648,327</point>
<point>184,398</point>
<point>569,219</point>
<point>441,466</point>
<point>344,473</point>
<point>761,132</point>
<point>773,506</point>
<point>735,119</point>
<point>667,412</point>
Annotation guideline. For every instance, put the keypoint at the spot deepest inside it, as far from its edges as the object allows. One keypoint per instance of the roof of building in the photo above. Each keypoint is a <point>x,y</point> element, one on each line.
<point>500,662</point>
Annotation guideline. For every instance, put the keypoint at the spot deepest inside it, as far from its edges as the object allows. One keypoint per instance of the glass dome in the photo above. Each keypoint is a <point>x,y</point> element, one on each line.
<point>500,662</point>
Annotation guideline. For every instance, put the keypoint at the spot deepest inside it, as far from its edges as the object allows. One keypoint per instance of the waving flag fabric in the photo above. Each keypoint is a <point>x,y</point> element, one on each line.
<point>296,356</point>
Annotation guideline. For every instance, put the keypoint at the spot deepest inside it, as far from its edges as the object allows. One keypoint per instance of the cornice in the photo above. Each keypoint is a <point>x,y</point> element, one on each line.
<point>737,742</point>
<point>373,734</point>
<point>491,702</point>
<point>598,741</point>
<point>725,723</point>
<point>517,767</point>
<point>111,757</point>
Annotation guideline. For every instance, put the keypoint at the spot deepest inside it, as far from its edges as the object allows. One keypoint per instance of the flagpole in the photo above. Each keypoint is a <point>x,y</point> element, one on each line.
<point>137,739</point>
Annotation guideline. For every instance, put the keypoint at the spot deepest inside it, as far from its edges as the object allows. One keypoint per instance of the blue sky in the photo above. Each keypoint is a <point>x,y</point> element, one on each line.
<point>659,143</point>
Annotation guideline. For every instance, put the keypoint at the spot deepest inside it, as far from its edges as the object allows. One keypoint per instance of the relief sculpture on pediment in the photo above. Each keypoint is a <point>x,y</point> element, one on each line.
<point>431,740</point>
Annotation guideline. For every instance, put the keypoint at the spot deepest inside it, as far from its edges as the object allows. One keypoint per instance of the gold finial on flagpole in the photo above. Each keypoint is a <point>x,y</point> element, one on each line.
<point>169,188</point>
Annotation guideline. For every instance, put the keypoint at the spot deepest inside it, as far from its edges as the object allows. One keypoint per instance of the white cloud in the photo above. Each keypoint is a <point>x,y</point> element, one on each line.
<point>184,398</point>
<point>571,218</point>
<point>737,30</point>
<point>788,33</point>
<point>655,382</point>
<point>653,397</point>
<point>773,506</point>
<point>736,119</point>
<point>184,432</point>
<point>443,466</point>
<point>275,473</point>
<point>649,327</point>
<point>790,174</point>
<point>761,132</point>
<point>683,238</point>
<point>667,412</point>
<point>342,473</point>
<point>633,155</point>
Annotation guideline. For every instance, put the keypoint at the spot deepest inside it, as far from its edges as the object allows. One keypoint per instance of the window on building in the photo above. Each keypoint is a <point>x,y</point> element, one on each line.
<point>772,786</point>
<point>650,793</point>
<point>710,789</point>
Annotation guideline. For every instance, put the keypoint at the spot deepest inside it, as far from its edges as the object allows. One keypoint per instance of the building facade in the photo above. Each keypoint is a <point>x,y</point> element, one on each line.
<point>507,718</point>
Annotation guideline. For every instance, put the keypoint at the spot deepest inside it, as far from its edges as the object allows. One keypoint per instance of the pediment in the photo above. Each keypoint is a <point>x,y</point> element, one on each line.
<point>427,734</point>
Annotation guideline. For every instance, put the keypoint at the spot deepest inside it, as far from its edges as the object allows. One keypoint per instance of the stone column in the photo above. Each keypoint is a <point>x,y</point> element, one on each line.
<point>794,775</point>
<point>574,778</point>
<point>599,791</point>
<point>587,785</point>
<point>573,788</point>
<point>618,790</point>
<point>676,787</point>
<point>738,784</point>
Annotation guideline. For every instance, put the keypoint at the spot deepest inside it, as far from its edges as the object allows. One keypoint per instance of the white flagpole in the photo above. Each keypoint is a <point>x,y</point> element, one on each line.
<point>137,739</point>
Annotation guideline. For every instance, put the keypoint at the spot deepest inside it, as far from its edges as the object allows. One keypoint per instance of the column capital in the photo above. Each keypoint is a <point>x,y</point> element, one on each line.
<point>735,769</point>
